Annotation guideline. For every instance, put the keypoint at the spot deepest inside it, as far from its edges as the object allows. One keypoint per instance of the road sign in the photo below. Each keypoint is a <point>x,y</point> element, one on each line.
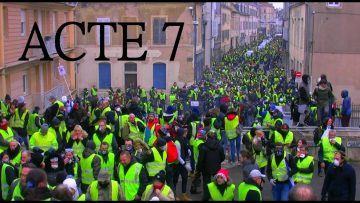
<point>62,70</point>
<point>298,74</point>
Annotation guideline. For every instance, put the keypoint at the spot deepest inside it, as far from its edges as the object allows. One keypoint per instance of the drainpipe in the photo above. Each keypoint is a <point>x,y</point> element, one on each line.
<point>195,42</point>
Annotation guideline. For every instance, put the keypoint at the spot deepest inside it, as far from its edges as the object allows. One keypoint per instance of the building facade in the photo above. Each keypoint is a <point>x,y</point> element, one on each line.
<point>225,26</point>
<point>157,70</point>
<point>324,36</point>
<point>267,18</point>
<point>36,80</point>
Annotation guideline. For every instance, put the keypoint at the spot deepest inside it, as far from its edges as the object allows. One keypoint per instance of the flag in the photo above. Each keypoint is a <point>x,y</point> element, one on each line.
<point>61,70</point>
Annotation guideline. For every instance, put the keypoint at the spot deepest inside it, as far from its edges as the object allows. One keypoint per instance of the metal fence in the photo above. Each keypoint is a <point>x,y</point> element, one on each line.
<point>354,119</point>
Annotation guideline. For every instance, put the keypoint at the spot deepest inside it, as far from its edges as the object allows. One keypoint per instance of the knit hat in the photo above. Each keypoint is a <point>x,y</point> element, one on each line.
<point>7,97</point>
<point>44,128</point>
<point>37,157</point>
<point>169,111</point>
<point>55,121</point>
<point>71,184</point>
<point>160,176</point>
<point>160,142</point>
<point>21,100</point>
<point>104,175</point>
<point>64,99</point>
<point>224,173</point>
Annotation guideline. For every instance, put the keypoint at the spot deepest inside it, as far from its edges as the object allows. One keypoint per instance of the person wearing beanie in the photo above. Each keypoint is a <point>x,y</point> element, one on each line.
<point>155,159</point>
<point>90,164</point>
<point>221,188</point>
<point>36,157</point>
<point>104,189</point>
<point>70,183</point>
<point>44,139</point>
<point>158,189</point>
<point>250,189</point>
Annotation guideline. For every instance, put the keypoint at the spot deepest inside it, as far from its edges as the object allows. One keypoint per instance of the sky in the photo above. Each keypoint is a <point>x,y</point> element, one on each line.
<point>277,4</point>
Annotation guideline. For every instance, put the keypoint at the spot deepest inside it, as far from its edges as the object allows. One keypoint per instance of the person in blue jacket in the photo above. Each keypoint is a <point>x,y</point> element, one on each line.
<point>346,108</point>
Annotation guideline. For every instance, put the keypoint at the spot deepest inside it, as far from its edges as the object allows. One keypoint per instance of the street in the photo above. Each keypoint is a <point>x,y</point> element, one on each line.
<point>236,176</point>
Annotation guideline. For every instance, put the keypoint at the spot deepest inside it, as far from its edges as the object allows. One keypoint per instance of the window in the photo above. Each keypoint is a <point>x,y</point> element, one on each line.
<point>5,21</point>
<point>25,83</point>
<point>106,33</point>
<point>159,75</point>
<point>22,22</point>
<point>333,4</point>
<point>159,37</point>
<point>104,75</point>
<point>54,22</point>
<point>130,75</point>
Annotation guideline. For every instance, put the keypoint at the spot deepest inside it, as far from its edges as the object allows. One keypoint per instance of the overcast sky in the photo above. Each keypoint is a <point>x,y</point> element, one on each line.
<point>278,4</point>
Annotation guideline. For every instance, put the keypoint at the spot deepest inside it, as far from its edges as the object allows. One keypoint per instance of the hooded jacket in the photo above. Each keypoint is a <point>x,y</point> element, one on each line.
<point>211,154</point>
<point>346,105</point>
<point>52,172</point>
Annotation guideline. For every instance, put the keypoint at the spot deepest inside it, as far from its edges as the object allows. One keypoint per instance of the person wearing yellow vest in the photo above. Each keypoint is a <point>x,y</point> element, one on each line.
<point>93,91</point>
<point>107,159</point>
<point>285,137</point>
<point>136,127</point>
<point>103,133</point>
<point>16,192</point>
<point>328,146</point>
<point>221,189</point>
<point>155,159</point>
<point>58,131</point>
<point>4,106</point>
<point>37,188</point>
<point>276,120</point>
<point>20,121</point>
<point>231,121</point>
<point>14,152</point>
<point>304,166</point>
<point>89,165</point>
<point>44,139</point>
<point>131,176</point>
<point>77,141</point>
<point>251,188</point>
<point>104,189</point>
<point>279,172</point>
<point>7,175</point>
<point>109,114</point>
<point>151,131</point>
<point>71,163</point>
<point>34,123</point>
<point>158,190</point>
<point>162,99</point>
<point>57,107</point>
<point>258,149</point>
<point>6,135</point>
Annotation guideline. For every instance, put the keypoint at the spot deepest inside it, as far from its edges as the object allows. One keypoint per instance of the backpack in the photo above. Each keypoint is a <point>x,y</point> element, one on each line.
<point>172,153</point>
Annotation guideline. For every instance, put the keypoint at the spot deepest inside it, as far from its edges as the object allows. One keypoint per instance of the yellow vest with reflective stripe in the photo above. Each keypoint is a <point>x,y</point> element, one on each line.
<point>60,104</point>
<point>260,159</point>
<point>304,164</point>
<point>103,114</point>
<point>165,191</point>
<point>134,131</point>
<point>267,119</point>
<point>152,136</point>
<point>243,190</point>
<point>19,122</point>
<point>217,131</point>
<point>94,191</point>
<point>17,159</point>
<point>109,165</point>
<point>7,135</point>
<point>4,108</point>
<point>197,143</point>
<point>31,126</point>
<point>230,127</point>
<point>4,186</point>
<point>130,182</point>
<point>172,98</point>
<point>193,132</point>
<point>16,196</point>
<point>78,148</point>
<point>328,149</point>
<point>288,139</point>
<point>158,164</point>
<point>87,175</point>
<point>216,195</point>
<point>279,172</point>
<point>108,138</point>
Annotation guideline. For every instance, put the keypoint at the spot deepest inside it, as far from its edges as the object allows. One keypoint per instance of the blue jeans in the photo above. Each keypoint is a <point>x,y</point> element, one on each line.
<point>232,148</point>
<point>224,140</point>
<point>280,191</point>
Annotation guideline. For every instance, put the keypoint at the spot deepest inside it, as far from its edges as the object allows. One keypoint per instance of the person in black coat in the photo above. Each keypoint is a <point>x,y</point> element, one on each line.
<point>211,155</point>
<point>340,180</point>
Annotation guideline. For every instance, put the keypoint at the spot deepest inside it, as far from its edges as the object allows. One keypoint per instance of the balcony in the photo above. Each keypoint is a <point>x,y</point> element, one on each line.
<point>49,41</point>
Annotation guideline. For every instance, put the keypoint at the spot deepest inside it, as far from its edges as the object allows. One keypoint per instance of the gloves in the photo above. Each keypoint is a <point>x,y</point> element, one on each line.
<point>272,182</point>
<point>188,167</point>
<point>189,152</point>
